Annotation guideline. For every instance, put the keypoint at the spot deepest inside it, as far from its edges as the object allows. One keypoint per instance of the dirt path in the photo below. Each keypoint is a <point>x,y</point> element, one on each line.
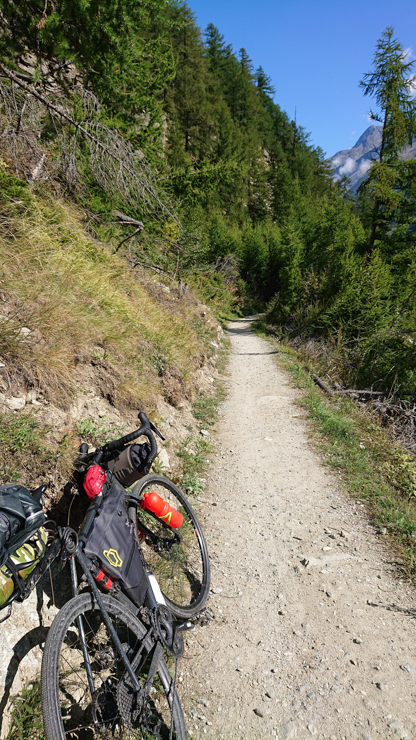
<point>313,634</point>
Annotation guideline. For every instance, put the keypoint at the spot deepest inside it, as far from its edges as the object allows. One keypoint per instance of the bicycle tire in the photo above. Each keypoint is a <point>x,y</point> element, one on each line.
<point>68,708</point>
<point>182,568</point>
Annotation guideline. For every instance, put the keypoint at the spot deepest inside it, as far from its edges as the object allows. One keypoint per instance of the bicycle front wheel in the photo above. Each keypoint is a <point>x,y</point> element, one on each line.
<point>177,557</point>
<point>85,689</point>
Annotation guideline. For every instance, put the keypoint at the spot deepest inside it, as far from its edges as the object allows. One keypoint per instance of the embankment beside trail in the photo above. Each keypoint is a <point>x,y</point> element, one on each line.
<point>85,343</point>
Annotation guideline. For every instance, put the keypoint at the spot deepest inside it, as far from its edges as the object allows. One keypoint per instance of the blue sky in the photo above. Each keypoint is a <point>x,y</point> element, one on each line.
<point>315,52</point>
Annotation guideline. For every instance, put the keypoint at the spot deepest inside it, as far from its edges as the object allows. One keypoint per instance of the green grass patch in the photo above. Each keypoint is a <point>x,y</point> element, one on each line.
<point>222,356</point>
<point>23,453</point>
<point>21,431</point>
<point>83,304</point>
<point>99,432</point>
<point>27,455</point>
<point>26,718</point>
<point>193,455</point>
<point>372,468</point>
<point>206,406</point>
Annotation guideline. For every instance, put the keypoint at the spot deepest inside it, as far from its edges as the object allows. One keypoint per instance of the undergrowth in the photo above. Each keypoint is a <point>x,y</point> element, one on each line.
<point>23,451</point>
<point>193,455</point>
<point>99,432</point>
<point>26,454</point>
<point>206,405</point>
<point>26,718</point>
<point>371,467</point>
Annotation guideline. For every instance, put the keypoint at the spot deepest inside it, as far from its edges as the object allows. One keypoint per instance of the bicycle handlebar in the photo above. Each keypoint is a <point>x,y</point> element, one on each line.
<point>117,444</point>
<point>102,453</point>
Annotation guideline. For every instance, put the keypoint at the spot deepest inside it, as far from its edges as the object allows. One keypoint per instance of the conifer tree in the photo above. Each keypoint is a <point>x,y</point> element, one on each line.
<point>120,48</point>
<point>188,98</point>
<point>264,82</point>
<point>390,84</point>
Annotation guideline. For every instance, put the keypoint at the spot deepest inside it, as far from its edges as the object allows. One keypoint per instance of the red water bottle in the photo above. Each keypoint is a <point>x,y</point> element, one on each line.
<point>155,503</point>
<point>94,481</point>
<point>103,580</point>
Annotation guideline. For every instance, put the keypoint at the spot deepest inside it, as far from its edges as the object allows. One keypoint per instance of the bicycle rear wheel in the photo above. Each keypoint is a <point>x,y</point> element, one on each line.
<point>73,709</point>
<point>177,557</point>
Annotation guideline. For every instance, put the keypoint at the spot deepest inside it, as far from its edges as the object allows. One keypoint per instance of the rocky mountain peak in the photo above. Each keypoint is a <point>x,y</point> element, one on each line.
<point>355,162</point>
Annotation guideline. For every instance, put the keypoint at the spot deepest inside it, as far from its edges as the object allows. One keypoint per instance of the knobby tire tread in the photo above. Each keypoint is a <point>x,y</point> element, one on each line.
<point>77,606</point>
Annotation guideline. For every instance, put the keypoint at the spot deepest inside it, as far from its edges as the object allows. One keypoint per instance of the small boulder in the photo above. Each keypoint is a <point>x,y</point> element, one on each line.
<point>15,403</point>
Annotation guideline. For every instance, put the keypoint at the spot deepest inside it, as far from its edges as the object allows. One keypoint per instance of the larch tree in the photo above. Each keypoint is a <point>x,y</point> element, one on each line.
<point>391,84</point>
<point>120,48</point>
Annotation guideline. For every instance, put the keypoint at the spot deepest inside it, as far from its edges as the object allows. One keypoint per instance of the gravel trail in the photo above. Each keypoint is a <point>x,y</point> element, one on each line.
<point>314,635</point>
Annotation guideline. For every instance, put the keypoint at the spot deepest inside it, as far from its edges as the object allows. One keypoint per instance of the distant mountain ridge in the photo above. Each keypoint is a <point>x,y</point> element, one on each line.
<point>355,162</point>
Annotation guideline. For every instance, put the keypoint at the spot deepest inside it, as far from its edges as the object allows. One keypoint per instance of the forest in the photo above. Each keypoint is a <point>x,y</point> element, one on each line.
<point>127,107</point>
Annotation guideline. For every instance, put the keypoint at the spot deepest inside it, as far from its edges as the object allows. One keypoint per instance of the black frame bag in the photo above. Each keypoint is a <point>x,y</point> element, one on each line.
<point>112,542</point>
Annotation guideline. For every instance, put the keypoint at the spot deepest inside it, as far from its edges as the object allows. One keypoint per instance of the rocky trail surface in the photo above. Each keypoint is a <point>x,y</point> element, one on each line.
<point>314,634</point>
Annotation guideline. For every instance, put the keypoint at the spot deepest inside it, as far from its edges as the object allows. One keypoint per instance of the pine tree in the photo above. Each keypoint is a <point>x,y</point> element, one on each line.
<point>390,83</point>
<point>188,99</point>
<point>120,48</point>
<point>264,83</point>
<point>203,140</point>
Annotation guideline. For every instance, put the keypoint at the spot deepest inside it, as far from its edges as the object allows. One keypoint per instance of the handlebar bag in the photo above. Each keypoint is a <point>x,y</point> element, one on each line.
<point>111,541</point>
<point>131,464</point>
<point>20,517</point>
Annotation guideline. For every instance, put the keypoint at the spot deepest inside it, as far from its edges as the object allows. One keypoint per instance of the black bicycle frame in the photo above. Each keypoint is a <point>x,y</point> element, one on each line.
<point>152,599</point>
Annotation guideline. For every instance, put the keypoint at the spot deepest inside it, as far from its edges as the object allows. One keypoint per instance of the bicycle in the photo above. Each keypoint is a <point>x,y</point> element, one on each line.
<point>178,557</point>
<point>104,671</point>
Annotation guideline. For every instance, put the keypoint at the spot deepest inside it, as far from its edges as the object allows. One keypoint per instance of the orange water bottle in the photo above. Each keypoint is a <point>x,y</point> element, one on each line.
<point>155,503</point>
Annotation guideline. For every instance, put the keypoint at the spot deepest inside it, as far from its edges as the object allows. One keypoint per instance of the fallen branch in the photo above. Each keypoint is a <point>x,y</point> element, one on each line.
<point>146,266</point>
<point>123,219</point>
<point>362,393</point>
<point>130,236</point>
<point>21,76</point>
<point>322,385</point>
<point>345,391</point>
<point>12,76</point>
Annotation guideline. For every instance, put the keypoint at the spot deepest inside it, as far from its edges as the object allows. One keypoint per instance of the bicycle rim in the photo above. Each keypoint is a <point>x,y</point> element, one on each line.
<point>178,558</point>
<point>114,710</point>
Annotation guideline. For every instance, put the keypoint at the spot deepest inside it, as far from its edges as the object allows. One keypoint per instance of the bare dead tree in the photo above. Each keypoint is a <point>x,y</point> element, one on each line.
<point>117,167</point>
<point>23,119</point>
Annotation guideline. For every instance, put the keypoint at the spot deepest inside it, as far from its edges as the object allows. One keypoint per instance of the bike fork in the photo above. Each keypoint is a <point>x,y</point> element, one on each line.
<point>87,662</point>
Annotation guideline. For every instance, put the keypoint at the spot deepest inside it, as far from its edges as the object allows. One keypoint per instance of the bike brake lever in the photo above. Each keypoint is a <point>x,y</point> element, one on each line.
<point>156,431</point>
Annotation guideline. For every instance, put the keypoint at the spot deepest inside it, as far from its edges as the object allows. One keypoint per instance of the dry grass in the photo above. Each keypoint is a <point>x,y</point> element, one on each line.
<point>81,303</point>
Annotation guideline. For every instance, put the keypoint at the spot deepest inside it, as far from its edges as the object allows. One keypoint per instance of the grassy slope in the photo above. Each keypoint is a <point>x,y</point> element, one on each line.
<point>82,305</point>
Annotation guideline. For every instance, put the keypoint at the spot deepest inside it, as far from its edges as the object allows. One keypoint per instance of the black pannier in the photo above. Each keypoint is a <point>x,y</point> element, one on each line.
<point>20,517</point>
<point>111,542</point>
